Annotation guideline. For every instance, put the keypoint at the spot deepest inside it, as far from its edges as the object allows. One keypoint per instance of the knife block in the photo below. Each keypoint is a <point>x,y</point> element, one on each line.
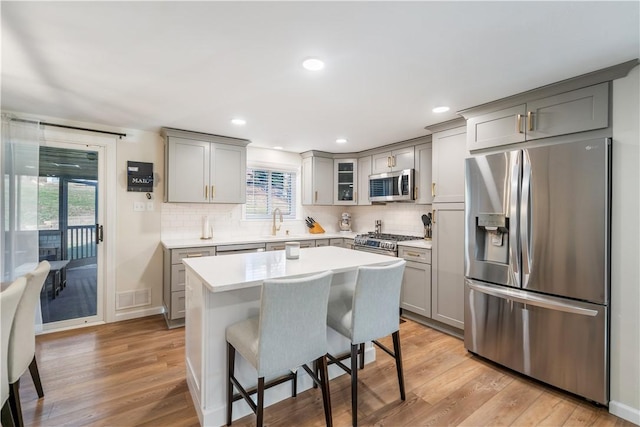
<point>316,229</point>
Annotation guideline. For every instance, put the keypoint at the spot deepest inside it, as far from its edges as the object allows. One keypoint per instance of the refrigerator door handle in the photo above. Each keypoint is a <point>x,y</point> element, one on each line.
<point>525,220</point>
<point>513,214</point>
<point>529,299</point>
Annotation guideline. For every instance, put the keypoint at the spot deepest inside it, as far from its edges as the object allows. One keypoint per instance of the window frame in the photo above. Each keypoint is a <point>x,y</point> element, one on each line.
<point>293,196</point>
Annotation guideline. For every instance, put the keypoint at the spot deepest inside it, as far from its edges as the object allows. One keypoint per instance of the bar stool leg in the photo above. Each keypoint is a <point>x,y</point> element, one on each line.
<point>354,384</point>
<point>231,359</point>
<point>398,357</point>
<point>260,409</point>
<point>326,396</point>
<point>35,374</point>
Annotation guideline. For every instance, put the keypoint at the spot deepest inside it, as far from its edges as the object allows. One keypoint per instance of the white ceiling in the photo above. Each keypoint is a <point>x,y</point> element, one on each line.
<point>196,65</point>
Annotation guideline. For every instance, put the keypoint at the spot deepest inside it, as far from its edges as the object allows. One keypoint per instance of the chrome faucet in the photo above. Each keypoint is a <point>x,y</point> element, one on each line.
<point>273,227</point>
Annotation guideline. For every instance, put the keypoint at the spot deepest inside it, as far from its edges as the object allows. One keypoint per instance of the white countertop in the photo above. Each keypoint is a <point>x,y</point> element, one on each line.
<point>421,244</point>
<point>230,272</point>
<point>218,241</point>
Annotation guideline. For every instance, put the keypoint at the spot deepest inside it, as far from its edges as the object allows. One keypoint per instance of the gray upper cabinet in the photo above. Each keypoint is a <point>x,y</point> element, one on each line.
<point>390,161</point>
<point>317,180</point>
<point>203,168</point>
<point>345,179</point>
<point>423,176</point>
<point>364,170</point>
<point>569,112</point>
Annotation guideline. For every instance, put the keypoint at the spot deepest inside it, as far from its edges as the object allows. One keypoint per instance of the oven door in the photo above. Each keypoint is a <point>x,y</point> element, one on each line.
<point>375,250</point>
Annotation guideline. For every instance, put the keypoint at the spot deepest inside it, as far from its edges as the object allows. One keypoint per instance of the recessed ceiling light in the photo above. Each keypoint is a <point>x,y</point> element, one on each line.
<point>277,147</point>
<point>239,122</point>
<point>313,64</point>
<point>341,140</point>
<point>442,109</point>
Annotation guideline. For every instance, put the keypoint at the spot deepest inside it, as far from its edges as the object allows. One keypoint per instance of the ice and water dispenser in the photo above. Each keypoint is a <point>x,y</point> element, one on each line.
<point>492,238</point>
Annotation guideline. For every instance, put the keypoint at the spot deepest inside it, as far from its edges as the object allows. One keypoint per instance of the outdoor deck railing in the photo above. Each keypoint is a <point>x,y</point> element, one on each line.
<point>81,241</point>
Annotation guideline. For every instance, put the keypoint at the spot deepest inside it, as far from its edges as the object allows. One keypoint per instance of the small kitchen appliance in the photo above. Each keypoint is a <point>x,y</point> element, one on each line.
<point>345,222</point>
<point>207,229</point>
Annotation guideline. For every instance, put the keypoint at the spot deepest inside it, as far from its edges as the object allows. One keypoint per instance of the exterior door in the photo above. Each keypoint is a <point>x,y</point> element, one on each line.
<point>70,213</point>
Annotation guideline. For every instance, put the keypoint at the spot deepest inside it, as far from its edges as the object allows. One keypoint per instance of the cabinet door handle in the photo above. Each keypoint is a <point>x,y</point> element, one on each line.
<point>389,161</point>
<point>213,191</point>
<point>530,120</point>
<point>393,161</point>
<point>194,255</point>
<point>316,197</point>
<point>433,189</point>
<point>433,217</point>
<point>355,196</point>
<point>412,254</point>
<point>206,192</point>
<point>519,123</point>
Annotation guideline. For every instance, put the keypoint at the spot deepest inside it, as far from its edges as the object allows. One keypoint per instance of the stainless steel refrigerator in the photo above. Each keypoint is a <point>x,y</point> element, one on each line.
<point>537,244</point>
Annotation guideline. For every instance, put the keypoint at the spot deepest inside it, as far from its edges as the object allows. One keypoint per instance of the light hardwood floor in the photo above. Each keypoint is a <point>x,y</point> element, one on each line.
<point>132,373</point>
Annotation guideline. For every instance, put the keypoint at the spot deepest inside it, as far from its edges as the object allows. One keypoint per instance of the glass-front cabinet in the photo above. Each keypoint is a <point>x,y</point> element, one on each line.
<point>346,181</point>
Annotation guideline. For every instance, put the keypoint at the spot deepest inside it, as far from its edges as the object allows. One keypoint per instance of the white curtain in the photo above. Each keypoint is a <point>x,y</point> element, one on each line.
<point>19,159</point>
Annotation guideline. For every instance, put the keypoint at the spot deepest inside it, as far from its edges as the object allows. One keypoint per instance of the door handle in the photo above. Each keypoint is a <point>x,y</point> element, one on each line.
<point>530,120</point>
<point>316,198</point>
<point>519,123</point>
<point>213,192</point>
<point>433,189</point>
<point>99,234</point>
<point>206,192</point>
<point>433,217</point>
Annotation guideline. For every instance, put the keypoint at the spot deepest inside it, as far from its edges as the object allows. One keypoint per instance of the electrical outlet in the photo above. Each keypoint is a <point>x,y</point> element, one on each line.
<point>138,206</point>
<point>149,206</point>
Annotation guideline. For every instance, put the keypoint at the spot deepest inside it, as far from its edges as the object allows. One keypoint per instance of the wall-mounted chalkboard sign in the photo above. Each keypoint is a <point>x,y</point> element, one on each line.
<point>139,176</point>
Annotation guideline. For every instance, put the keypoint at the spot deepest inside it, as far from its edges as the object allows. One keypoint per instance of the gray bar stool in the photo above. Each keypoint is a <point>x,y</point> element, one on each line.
<point>291,331</point>
<point>368,312</point>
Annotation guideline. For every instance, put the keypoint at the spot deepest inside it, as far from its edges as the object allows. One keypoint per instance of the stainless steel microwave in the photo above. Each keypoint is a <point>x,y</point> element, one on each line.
<point>391,186</point>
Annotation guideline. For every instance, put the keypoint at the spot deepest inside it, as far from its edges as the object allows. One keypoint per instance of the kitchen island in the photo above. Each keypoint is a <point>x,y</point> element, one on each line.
<point>224,290</point>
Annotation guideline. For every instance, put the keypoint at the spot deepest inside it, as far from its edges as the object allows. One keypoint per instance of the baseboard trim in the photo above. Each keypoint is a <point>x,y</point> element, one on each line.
<point>625,412</point>
<point>135,314</point>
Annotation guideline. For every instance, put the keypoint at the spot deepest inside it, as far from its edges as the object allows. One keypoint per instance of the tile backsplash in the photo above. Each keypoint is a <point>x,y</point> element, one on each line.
<point>184,220</point>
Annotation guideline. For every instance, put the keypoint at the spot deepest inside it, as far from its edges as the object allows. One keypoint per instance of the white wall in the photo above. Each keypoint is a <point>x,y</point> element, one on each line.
<point>138,253</point>
<point>625,250</point>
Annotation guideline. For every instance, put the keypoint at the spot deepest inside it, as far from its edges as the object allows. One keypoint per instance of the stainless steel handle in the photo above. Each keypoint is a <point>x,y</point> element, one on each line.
<point>99,234</point>
<point>530,299</point>
<point>526,220</point>
<point>514,247</point>
<point>400,185</point>
<point>530,120</point>
<point>519,123</point>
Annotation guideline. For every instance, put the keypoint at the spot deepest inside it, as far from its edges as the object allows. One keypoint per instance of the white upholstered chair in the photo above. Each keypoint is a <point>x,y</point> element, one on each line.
<point>9,300</point>
<point>290,332</point>
<point>22,340</point>
<point>367,312</point>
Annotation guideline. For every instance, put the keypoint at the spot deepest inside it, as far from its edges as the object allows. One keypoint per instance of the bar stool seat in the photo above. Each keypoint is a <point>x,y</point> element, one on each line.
<point>290,332</point>
<point>366,311</point>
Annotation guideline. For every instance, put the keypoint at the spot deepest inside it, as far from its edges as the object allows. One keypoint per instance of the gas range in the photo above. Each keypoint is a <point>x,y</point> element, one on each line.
<point>380,242</point>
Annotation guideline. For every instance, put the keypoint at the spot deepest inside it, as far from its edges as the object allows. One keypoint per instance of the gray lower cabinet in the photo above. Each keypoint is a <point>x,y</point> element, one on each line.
<point>447,297</point>
<point>569,112</point>
<point>174,282</point>
<point>416,282</point>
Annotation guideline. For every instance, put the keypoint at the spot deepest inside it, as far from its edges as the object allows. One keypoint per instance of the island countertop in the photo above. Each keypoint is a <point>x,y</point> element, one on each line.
<point>230,272</point>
